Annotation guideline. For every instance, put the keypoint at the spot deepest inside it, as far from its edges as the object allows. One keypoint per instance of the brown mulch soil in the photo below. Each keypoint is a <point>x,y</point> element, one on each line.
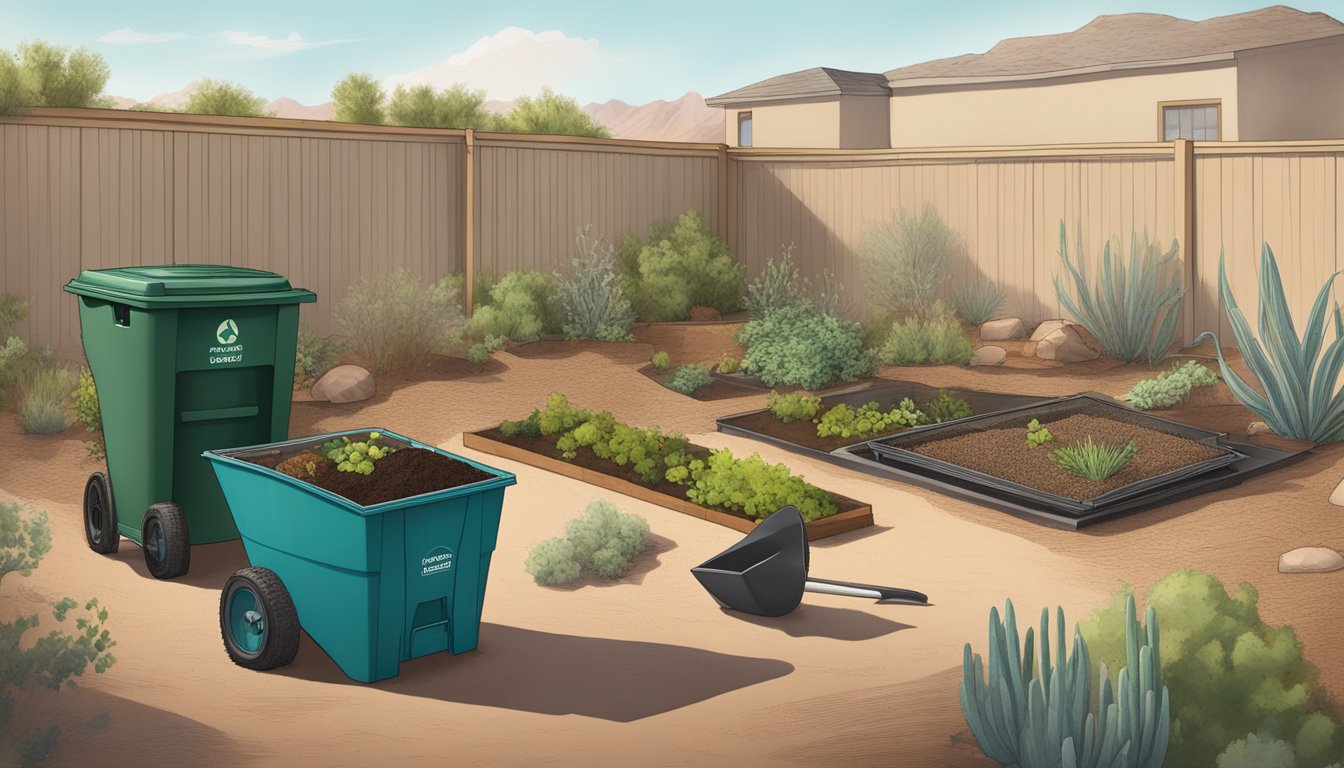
<point>1004,453</point>
<point>404,473</point>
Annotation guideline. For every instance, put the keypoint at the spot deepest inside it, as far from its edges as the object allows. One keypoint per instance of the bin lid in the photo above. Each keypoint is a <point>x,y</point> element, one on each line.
<point>187,284</point>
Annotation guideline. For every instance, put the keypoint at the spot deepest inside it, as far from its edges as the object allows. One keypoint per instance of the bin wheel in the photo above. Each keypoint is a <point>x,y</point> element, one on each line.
<point>166,541</point>
<point>100,515</point>
<point>258,620</point>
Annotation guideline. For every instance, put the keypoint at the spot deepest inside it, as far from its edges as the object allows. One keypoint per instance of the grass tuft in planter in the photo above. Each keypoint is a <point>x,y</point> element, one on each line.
<point>1092,460</point>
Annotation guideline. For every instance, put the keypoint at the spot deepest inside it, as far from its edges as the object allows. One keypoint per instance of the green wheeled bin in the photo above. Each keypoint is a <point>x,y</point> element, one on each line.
<point>185,357</point>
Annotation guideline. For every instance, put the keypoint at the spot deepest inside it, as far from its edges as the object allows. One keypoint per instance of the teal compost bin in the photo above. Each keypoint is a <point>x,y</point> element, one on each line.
<point>373,586</point>
<point>186,357</point>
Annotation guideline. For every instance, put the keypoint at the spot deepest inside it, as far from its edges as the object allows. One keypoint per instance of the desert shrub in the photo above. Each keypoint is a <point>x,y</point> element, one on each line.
<point>904,259</point>
<point>13,309</point>
<point>1092,460</point>
<point>689,379</point>
<point>606,539</point>
<point>978,303</point>
<point>934,340</point>
<point>529,427</point>
<point>314,356</point>
<point>795,406</point>
<point>482,281</point>
<point>778,286</point>
<point>478,354</point>
<point>946,407</point>
<point>43,400</point>
<point>552,563</point>
<point>89,414</point>
<point>1256,752</point>
<point>661,360</point>
<point>798,346</point>
<point>392,320</point>
<point>1170,388</point>
<point>594,303</point>
<point>1120,306</point>
<point>682,265</point>
<point>868,419</point>
<point>752,487</point>
<point>52,660</point>
<point>521,307</point>
<point>1230,674</point>
<point>728,364</point>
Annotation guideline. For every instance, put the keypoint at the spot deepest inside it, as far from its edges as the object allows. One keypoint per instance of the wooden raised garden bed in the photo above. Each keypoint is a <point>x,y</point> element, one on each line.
<point>540,452</point>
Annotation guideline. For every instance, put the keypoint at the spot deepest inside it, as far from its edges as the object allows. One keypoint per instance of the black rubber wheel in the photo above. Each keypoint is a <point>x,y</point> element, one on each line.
<point>258,620</point>
<point>164,537</point>
<point>100,515</point>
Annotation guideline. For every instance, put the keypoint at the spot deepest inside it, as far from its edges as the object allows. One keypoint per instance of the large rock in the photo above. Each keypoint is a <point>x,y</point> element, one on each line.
<point>989,356</point>
<point>1048,327</point>
<point>1065,345</point>
<point>1311,560</point>
<point>1003,330</point>
<point>344,384</point>
<point>1337,496</point>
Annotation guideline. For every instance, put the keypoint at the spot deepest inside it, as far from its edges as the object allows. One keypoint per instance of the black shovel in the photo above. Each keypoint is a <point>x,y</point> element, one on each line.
<point>766,573</point>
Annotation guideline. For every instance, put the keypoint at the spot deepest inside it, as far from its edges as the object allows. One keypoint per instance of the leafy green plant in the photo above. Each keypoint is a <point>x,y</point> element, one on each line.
<point>458,107</point>
<point>946,407</point>
<point>795,406</point>
<point>689,379</point>
<point>314,356</point>
<point>682,265</point>
<point>46,75</point>
<point>603,540</point>
<point>529,427</point>
<point>1301,399</point>
<point>1170,388</point>
<point>55,658</point>
<point>359,98</point>
<point>1121,305</point>
<point>937,339</point>
<point>223,97</point>
<point>356,456</point>
<point>661,361</point>
<point>979,302</point>
<point>798,346</point>
<point>394,319</point>
<point>594,303</point>
<point>728,364</point>
<point>478,354</point>
<point>904,259</point>
<point>549,113</point>
<point>88,413</point>
<point>750,486</point>
<point>1035,714</point>
<point>1230,674</point>
<point>43,400</point>
<point>1037,434</point>
<point>521,307</point>
<point>1093,461</point>
<point>868,419</point>
<point>482,283</point>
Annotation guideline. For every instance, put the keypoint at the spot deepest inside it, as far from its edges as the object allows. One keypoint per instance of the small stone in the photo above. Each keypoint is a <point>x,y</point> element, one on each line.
<point>1311,560</point>
<point>989,356</point>
<point>1048,327</point>
<point>1337,496</point>
<point>1003,330</point>
<point>1259,428</point>
<point>1065,345</point>
<point>344,384</point>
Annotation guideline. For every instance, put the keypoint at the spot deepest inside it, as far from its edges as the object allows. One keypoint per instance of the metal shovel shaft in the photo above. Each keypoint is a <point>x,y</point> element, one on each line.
<point>852,589</point>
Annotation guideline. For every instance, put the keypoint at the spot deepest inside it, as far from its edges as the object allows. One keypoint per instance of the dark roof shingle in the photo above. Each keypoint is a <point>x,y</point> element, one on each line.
<point>817,82</point>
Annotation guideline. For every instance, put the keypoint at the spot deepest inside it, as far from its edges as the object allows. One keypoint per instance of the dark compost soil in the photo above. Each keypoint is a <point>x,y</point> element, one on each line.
<point>1004,453</point>
<point>404,473</point>
<point>803,432</point>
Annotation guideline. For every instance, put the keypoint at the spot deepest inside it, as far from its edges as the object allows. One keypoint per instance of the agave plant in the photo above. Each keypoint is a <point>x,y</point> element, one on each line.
<point>1122,310</point>
<point>1300,399</point>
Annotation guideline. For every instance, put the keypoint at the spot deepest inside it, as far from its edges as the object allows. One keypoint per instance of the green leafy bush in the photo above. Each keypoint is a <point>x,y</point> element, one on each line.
<point>552,563</point>
<point>521,307</point>
<point>648,452</point>
<point>482,282</point>
<point>603,540</point>
<point>1170,388</point>
<point>728,364</point>
<point>778,286</point>
<point>904,259</point>
<point>1122,308</point>
<point>868,419</point>
<point>661,360</point>
<point>1092,460</point>
<point>797,346</point>
<point>1037,434</point>
<point>55,658</point>
<point>1301,399</point>
<point>683,264</point>
<point>946,407</point>
<point>936,340</point>
<point>1230,674</point>
<point>594,303</point>
<point>13,309</point>
<point>314,356</point>
<point>1256,752</point>
<point>795,406</point>
<point>356,456</point>
<point>689,379</point>
<point>394,319</point>
<point>529,427</point>
<point>979,302</point>
<point>478,354</point>
<point>43,400</point>
<point>751,486</point>
<point>88,413</point>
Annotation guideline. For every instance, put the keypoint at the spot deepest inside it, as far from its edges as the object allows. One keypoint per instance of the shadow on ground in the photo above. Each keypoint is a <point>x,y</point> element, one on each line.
<point>824,621</point>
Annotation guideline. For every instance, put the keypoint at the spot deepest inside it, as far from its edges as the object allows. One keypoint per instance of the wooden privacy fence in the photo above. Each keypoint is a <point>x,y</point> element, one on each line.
<point>327,204</point>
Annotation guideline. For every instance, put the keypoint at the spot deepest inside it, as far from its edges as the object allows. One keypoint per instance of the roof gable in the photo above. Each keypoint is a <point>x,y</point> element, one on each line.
<point>817,82</point>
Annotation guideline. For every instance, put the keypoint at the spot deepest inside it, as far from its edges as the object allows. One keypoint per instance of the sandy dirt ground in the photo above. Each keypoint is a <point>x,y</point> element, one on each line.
<point>648,670</point>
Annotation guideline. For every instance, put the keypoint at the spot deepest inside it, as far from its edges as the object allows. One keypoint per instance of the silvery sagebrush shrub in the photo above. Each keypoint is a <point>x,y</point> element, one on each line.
<point>605,539</point>
<point>391,320</point>
<point>43,399</point>
<point>594,303</point>
<point>978,302</point>
<point>552,562</point>
<point>904,259</point>
<point>778,286</point>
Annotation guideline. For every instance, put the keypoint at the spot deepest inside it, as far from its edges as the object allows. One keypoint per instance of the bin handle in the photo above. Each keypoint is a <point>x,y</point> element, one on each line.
<point>430,625</point>
<point>213,414</point>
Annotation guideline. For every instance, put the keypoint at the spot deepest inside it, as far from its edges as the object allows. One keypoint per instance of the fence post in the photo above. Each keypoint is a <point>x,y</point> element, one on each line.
<point>728,200</point>
<point>1185,229</point>
<point>469,247</point>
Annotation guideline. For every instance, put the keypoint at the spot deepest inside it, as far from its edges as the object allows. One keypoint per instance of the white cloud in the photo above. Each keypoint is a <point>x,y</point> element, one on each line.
<point>246,46</point>
<point>514,62</point>
<point>128,36</point>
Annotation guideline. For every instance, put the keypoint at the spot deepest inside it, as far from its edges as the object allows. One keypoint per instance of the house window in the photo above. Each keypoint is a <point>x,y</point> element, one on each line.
<point>1186,120</point>
<point>744,129</point>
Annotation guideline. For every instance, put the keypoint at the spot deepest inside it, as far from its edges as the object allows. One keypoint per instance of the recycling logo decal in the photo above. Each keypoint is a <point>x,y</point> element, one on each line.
<point>227,332</point>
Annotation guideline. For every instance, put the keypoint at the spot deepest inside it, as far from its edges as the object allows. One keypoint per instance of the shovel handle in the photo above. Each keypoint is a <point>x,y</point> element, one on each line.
<point>852,589</point>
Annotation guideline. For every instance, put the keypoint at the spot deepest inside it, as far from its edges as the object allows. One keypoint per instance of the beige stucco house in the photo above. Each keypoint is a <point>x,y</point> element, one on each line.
<point>1272,74</point>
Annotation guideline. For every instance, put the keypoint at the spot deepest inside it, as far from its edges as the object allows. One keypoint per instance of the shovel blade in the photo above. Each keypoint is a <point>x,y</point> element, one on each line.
<point>765,573</point>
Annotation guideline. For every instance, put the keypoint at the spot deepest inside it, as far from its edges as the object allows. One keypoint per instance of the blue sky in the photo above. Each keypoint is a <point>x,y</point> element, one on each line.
<point>592,51</point>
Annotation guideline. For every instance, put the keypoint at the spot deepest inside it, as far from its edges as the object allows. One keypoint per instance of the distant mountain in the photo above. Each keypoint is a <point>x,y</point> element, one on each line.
<point>686,119</point>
